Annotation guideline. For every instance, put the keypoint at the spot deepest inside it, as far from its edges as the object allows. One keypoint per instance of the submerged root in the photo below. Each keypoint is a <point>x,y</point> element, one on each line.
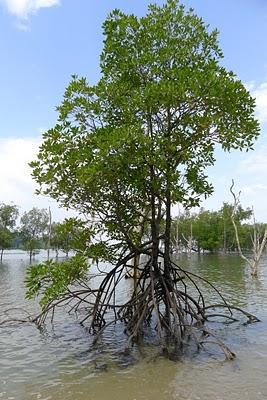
<point>7,318</point>
<point>175,307</point>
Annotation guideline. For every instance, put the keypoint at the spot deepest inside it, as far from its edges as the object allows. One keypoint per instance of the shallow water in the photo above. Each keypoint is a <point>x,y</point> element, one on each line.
<point>59,363</point>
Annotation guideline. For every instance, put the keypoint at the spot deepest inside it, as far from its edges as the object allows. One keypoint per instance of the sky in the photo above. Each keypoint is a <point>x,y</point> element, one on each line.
<point>44,42</point>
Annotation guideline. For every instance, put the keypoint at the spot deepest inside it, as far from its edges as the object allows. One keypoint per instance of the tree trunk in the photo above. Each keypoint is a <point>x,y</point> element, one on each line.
<point>167,242</point>
<point>190,239</point>
<point>49,233</point>
<point>224,236</point>
<point>167,238</point>
<point>177,235</point>
<point>154,225</point>
<point>135,274</point>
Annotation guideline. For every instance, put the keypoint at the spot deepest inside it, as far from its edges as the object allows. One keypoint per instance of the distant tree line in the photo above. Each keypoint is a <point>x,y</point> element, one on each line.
<point>213,231</point>
<point>34,230</point>
<point>201,231</point>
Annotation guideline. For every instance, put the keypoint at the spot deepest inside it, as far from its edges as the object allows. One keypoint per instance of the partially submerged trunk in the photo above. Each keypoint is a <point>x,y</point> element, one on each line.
<point>49,233</point>
<point>1,256</point>
<point>31,254</point>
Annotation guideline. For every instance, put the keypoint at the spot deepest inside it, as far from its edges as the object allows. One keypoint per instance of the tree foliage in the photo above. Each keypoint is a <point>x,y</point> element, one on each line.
<point>213,230</point>
<point>148,128</point>
<point>51,280</point>
<point>8,218</point>
<point>70,234</point>
<point>34,225</point>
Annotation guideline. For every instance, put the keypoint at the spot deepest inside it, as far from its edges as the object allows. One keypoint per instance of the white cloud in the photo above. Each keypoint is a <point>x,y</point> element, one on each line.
<point>22,9</point>
<point>255,163</point>
<point>254,196</point>
<point>251,178</point>
<point>16,184</point>
<point>258,189</point>
<point>260,93</point>
<point>22,26</point>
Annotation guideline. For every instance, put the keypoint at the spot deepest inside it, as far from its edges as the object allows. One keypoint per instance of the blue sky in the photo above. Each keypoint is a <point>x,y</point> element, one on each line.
<point>43,42</point>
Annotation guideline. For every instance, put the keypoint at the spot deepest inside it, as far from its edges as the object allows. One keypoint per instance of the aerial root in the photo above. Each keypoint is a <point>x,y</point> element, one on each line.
<point>206,333</point>
<point>10,320</point>
<point>176,308</point>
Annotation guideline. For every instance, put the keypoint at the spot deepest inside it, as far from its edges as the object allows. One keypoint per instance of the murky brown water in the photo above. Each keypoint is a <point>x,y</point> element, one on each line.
<point>59,363</point>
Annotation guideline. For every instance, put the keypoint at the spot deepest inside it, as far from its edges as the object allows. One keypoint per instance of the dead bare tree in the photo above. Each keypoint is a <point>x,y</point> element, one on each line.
<point>189,240</point>
<point>258,240</point>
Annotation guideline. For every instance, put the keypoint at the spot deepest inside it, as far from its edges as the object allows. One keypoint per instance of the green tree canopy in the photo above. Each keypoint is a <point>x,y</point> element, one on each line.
<point>33,227</point>
<point>212,230</point>
<point>8,218</point>
<point>70,234</point>
<point>8,215</point>
<point>138,141</point>
<point>146,131</point>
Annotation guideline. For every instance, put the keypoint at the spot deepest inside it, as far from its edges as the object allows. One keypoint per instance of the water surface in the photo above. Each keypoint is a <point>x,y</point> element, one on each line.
<point>59,363</point>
